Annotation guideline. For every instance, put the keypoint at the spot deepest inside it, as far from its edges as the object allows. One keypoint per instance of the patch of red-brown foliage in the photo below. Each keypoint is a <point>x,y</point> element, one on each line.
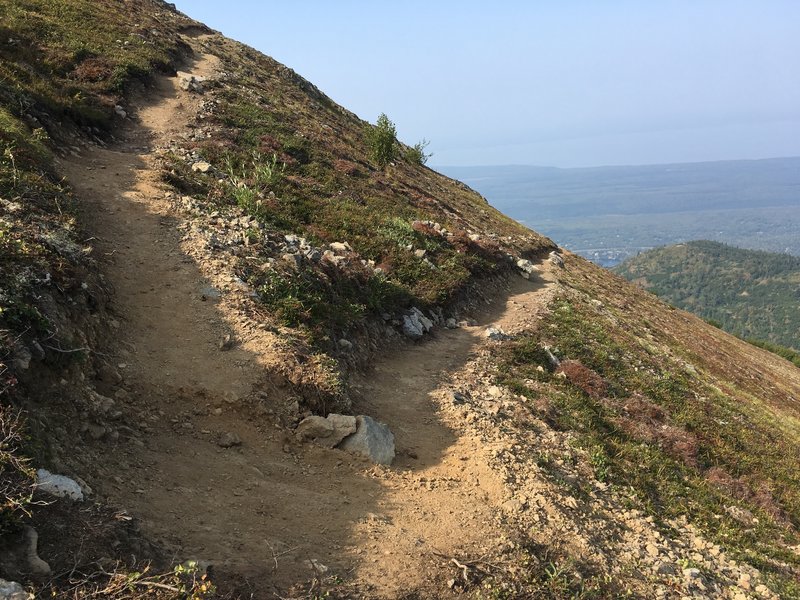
<point>755,492</point>
<point>345,166</point>
<point>92,70</point>
<point>644,420</point>
<point>424,228</point>
<point>584,378</point>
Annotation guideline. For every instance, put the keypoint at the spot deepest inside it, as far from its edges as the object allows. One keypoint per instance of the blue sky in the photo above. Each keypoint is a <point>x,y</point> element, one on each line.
<point>562,83</point>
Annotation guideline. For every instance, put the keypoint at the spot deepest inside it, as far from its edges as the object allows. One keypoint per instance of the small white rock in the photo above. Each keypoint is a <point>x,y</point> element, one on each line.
<point>59,486</point>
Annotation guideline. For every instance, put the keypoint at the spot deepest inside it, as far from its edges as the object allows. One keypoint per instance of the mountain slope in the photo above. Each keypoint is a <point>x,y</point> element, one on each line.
<point>229,258</point>
<point>750,293</point>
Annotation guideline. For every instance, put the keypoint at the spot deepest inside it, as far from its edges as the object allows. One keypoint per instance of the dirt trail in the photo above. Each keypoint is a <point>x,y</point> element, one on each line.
<point>284,517</point>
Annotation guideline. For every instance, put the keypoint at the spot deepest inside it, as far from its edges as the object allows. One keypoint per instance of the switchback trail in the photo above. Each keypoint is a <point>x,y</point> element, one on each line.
<point>269,507</point>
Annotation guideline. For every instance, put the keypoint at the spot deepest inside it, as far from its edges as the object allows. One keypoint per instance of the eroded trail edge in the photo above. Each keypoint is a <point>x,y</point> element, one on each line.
<point>207,467</point>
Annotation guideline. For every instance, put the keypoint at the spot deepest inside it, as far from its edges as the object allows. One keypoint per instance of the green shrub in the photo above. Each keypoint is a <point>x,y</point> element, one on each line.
<point>416,154</point>
<point>381,139</point>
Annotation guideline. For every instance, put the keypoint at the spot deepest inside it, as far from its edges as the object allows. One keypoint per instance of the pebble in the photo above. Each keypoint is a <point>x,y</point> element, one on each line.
<point>229,440</point>
<point>745,581</point>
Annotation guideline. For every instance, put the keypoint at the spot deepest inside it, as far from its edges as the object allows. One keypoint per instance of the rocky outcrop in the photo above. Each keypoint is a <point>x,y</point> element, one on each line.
<point>526,268</point>
<point>557,259</point>
<point>416,324</point>
<point>11,590</point>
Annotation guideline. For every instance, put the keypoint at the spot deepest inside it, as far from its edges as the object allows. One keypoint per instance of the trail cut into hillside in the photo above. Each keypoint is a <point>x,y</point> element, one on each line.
<point>208,467</point>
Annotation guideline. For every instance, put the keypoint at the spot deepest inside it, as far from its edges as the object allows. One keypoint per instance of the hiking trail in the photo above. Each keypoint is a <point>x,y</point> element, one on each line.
<point>254,508</point>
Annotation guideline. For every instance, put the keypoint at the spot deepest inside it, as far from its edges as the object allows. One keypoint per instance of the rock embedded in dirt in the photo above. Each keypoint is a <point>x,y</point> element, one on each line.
<point>34,564</point>
<point>59,486</point>
<point>343,426</point>
<point>229,440</point>
<point>227,342</point>
<point>313,427</point>
<point>557,259</point>
<point>496,334</point>
<point>526,268</point>
<point>340,247</point>
<point>293,259</point>
<point>109,374</point>
<point>191,83</point>
<point>416,324</point>
<point>22,358</point>
<point>19,556</point>
<point>459,398</point>
<point>412,327</point>
<point>201,166</point>
<point>327,432</point>
<point>372,439</point>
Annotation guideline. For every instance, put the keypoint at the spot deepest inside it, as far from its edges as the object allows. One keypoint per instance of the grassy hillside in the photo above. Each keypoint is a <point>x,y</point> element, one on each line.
<point>284,153</point>
<point>683,419</point>
<point>656,411</point>
<point>750,293</point>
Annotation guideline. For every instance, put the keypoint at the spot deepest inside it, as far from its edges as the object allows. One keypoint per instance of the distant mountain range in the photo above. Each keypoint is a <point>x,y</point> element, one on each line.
<point>610,213</point>
<point>750,293</point>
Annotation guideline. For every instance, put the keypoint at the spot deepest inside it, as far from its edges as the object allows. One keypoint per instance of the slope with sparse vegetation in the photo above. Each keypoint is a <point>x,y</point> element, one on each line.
<point>694,423</point>
<point>598,444</point>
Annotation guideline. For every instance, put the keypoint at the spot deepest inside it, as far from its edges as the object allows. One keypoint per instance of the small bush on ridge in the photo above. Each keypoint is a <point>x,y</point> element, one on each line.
<point>381,139</point>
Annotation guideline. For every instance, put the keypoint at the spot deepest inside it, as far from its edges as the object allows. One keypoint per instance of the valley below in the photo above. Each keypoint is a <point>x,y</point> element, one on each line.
<point>608,214</point>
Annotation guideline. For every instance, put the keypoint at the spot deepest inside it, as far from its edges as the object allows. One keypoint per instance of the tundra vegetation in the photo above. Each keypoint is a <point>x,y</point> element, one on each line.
<point>658,409</point>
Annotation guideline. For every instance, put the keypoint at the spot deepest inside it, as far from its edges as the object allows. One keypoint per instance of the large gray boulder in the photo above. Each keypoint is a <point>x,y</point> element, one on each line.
<point>526,268</point>
<point>371,439</point>
<point>557,259</point>
<point>412,327</point>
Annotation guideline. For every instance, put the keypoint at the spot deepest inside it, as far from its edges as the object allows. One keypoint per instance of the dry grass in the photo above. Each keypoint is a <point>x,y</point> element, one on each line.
<point>16,476</point>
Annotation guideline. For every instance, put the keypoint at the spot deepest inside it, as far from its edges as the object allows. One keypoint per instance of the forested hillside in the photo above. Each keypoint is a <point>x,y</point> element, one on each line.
<point>750,293</point>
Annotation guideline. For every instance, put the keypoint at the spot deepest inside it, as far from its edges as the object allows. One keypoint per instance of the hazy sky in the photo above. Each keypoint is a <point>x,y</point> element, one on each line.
<point>558,82</point>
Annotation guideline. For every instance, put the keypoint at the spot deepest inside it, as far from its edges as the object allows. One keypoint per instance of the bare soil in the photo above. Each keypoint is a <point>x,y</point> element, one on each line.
<point>270,509</point>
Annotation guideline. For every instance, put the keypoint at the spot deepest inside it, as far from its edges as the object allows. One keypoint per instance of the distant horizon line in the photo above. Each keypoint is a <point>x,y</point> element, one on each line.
<point>609,166</point>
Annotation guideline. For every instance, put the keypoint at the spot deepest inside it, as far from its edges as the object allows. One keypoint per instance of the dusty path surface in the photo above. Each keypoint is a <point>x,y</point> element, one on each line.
<point>278,511</point>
